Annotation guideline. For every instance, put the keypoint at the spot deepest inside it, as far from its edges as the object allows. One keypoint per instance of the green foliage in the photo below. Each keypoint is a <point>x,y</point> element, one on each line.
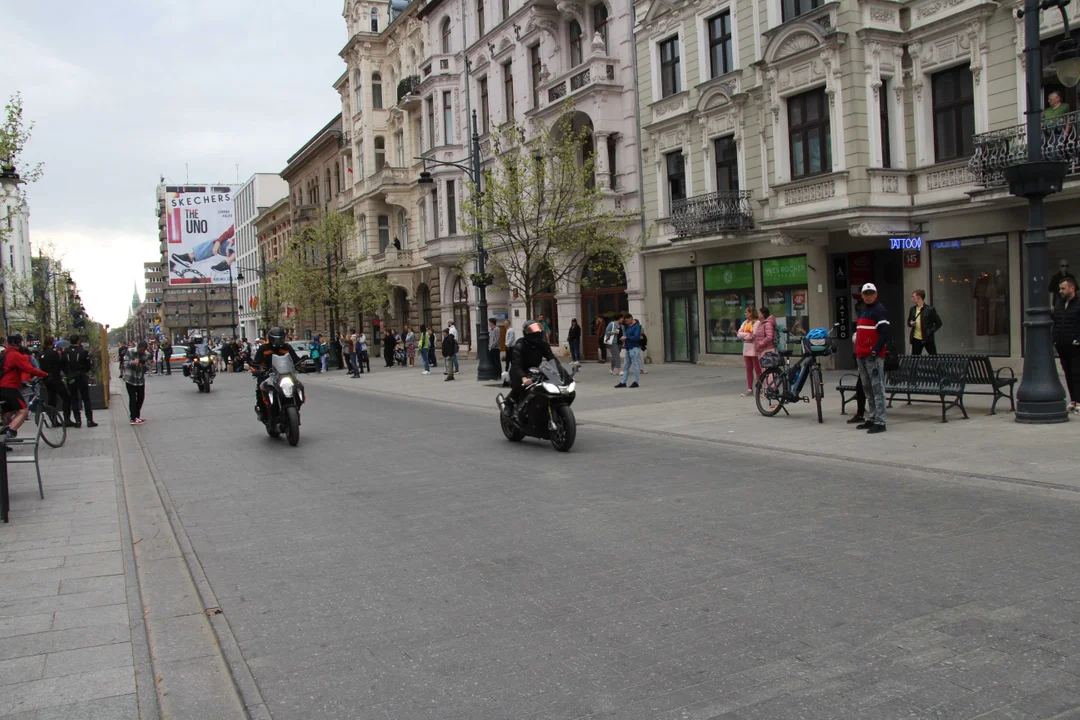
<point>370,294</point>
<point>14,134</point>
<point>541,215</point>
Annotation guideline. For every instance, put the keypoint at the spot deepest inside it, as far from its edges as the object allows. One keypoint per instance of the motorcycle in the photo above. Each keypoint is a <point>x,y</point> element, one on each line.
<point>544,410</point>
<point>281,395</point>
<point>201,370</point>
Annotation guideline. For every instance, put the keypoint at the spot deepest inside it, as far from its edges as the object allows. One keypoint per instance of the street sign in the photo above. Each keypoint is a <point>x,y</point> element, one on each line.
<point>912,258</point>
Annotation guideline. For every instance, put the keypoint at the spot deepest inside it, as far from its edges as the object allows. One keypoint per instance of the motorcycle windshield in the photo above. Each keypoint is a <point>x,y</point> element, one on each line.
<point>282,364</point>
<point>552,372</point>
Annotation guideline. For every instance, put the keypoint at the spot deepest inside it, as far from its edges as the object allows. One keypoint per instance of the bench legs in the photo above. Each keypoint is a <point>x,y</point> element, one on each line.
<point>999,395</point>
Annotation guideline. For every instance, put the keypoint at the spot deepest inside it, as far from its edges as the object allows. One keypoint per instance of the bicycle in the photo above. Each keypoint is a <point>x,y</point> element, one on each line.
<point>781,383</point>
<point>48,418</point>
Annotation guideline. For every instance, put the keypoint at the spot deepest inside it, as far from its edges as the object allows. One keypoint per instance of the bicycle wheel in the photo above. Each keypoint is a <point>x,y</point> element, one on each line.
<point>817,389</point>
<point>769,393</point>
<point>53,429</point>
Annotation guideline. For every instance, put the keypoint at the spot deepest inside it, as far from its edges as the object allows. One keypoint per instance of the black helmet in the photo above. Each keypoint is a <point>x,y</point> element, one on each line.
<point>533,332</point>
<point>276,338</point>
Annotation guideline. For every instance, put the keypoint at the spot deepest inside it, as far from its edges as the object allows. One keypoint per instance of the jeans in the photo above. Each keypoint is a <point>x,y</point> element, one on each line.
<point>457,368</point>
<point>633,360</point>
<point>324,358</point>
<point>872,374</point>
<point>426,358</point>
<point>136,395</point>
<point>918,345</point>
<point>353,367</point>
<point>575,351</point>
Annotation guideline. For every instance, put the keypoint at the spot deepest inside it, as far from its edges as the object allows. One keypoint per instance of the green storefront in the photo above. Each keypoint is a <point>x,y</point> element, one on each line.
<point>786,290</point>
<point>729,290</point>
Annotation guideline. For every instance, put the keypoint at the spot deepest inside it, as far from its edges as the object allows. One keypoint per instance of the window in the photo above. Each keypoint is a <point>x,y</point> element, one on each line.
<point>886,140</point>
<point>360,159</point>
<point>435,211</point>
<point>970,285</point>
<point>480,16</point>
<point>451,208</point>
<point>670,82</point>
<point>535,68</point>
<point>676,177</point>
<point>446,36</point>
<point>484,108</point>
<point>403,229</point>
<point>794,8</point>
<point>374,20</point>
<point>424,235</point>
<point>505,9</point>
<point>380,153</point>
<point>430,103</point>
<point>447,119</point>
<point>809,133</point>
<point>611,157</point>
<point>720,44</point>
<point>600,22</point>
<point>576,51</point>
<point>399,147</point>
<point>417,134</point>
<point>376,91</point>
<point>508,89</point>
<point>726,157</point>
<point>729,290</point>
<point>358,94</point>
<point>384,232</point>
<point>954,113</point>
<point>329,187</point>
<point>785,288</point>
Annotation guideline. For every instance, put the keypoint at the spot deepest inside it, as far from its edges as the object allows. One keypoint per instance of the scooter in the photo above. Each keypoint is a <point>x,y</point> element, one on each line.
<point>544,410</point>
<point>281,394</point>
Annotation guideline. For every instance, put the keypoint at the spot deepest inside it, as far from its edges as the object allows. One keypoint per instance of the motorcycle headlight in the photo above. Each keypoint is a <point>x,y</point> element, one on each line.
<point>551,388</point>
<point>287,387</point>
<point>204,359</point>
<point>571,387</point>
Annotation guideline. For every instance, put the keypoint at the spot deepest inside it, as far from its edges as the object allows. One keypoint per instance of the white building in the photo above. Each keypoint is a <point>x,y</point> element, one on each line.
<point>260,192</point>
<point>15,216</point>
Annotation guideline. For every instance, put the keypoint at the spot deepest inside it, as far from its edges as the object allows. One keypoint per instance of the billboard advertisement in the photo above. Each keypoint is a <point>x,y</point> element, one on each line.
<point>200,230</point>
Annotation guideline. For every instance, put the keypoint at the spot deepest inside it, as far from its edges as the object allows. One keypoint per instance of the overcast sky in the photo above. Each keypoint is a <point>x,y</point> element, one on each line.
<point>125,91</point>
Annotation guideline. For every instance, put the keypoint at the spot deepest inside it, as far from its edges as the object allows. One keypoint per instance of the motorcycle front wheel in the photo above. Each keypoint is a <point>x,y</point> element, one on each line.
<point>292,421</point>
<point>565,431</point>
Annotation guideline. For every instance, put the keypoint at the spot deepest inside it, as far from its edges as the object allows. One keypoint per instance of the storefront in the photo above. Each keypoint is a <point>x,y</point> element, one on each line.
<point>729,290</point>
<point>680,300</point>
<point>786,294</point>
<point>970,290</point>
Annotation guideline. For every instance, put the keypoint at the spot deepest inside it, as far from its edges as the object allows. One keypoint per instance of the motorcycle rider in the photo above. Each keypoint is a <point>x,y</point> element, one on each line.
<point>260,364</point>
<point>528,352</point>
<point>195,349</point>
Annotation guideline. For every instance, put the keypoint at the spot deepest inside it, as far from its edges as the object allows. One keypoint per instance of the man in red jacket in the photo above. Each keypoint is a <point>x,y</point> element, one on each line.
<point>16,366</point>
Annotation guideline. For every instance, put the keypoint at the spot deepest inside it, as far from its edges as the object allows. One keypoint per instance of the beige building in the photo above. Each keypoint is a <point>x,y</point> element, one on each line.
<point>273,228</point>
<point>795,149</point>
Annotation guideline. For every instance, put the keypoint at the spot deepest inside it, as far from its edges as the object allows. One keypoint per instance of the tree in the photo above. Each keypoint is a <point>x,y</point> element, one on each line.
<point>309,276</point>
<point>370,294</point>
<point>542,215</point>
<point>14,134</point>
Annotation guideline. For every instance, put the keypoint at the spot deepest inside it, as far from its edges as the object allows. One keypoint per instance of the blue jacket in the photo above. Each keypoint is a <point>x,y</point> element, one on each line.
<point>632,333</point>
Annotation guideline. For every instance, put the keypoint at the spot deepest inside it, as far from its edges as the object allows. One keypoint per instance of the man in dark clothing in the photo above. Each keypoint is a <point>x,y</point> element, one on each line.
<point>449,347</point>
<point>389,341</point>
<point>121,352</point>
<point>1066,334</point>
<point>924,321</point>
<point>260,364</point>
<point>166,355</point>
<point>78,366</point>
<point>53,363</point>
<point>529,352</point>
<point>871,338</point>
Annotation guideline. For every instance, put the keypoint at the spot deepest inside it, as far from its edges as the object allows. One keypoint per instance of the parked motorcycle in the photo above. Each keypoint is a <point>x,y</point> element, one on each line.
<point>281,394</point>
<point>544,410</point>
<point>201,370</point>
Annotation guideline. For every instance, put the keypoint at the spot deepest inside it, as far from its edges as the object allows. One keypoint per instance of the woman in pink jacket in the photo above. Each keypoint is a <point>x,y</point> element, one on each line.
<point>750,357</point>
<point>764,333</point>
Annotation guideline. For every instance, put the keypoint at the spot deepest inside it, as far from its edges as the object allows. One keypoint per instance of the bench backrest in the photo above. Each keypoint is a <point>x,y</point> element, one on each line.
<point>980,371</point>
<point>924,373</point>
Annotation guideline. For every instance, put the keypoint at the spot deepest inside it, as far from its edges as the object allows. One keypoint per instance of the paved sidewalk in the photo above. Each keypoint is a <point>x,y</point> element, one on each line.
<point>705,403</point>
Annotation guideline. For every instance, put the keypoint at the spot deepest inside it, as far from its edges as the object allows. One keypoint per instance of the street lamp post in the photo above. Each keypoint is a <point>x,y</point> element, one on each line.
<point>232,302</point>
<point>1040,398</point>
<point>481,279</point>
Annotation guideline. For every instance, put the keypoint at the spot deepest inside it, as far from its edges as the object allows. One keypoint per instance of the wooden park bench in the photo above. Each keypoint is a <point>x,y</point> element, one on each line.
<point>938,378</point>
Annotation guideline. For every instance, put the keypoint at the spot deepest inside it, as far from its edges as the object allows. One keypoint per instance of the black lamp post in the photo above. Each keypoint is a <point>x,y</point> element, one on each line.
<point>481,279</point>
<point>259,272</point>
<point>1040,397</point>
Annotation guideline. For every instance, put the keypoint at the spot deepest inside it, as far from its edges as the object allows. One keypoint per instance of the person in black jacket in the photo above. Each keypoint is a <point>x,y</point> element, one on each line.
<point>924,321</point>
<point>53,363</point>
<point>449,347</point>
<point>529,352</point>
<point>1066,334</point>
<point>78,365</point>
<point>573,341</point>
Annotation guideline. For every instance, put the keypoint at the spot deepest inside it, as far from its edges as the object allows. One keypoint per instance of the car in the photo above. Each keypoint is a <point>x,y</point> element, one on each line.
<point>178,356</point>
<point>301,348</point>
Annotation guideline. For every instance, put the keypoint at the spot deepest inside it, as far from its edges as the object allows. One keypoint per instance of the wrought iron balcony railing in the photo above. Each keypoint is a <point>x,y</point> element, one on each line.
<point>716,212</point>
<point>407,85</point>
<point>999,149</point>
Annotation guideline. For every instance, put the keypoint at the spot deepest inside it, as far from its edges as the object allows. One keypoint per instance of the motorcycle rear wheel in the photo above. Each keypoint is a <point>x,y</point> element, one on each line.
<point>565,431</point>
<point>292,420</point>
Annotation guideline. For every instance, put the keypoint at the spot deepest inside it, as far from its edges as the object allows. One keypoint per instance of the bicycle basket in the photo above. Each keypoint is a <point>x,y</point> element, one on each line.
<point>817,346</point>
<point>771,360</point>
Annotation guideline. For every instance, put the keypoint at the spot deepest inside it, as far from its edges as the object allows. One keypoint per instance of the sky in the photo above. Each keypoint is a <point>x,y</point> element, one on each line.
<point>123,92</point>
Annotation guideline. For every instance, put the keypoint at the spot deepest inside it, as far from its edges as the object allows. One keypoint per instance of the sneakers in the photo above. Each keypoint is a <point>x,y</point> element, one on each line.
<point>864,426</point>
<point>634,385</point>
<point>220,267</point>
<point>448,378</point>
<point>748,393</point>
<point>856,420</point>
<point>875,429</point>
<point>426,372</point>
<point>620,385</point>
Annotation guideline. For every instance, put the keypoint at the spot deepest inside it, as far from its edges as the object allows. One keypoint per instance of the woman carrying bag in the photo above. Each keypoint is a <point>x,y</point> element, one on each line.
<point>750,356</point>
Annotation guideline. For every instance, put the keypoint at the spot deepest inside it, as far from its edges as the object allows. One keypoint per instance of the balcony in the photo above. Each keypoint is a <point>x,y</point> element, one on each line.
<point>1000,149</point>
<point>596,71</point>
<point>305,213</point>
<point>712,213</point>
<point>406,88</point>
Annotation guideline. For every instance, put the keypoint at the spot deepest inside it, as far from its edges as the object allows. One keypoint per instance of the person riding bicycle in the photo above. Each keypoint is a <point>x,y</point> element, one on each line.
<point>528,352</point>
<point>16,369</point>
<point>260,364</point>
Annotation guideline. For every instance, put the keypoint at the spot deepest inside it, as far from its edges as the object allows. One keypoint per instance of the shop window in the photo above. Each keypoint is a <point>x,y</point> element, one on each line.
<point>1062,261</point>
<point>726,156</point>
<point>679,290</point>
<point>720,44</point>
<point>670,78</point>
<point>544,302</point>
<point>970,291</point>
<point>729,290</point>
<point>954,113</point>
<point>785,288</point>
<point>810,134</point>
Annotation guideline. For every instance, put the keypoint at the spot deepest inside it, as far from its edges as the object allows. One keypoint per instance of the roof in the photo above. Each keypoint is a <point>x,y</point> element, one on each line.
<point>429,7</point>
<point>332,130</point>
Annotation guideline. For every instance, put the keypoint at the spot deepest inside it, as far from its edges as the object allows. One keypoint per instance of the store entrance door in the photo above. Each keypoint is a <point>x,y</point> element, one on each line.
<point>680,315</point>
<point>883,268</point>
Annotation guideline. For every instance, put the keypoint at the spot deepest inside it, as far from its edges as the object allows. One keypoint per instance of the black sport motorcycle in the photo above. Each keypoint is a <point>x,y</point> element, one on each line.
<point>201,370</point>
<point>544,410</point>
<point>281,394</point>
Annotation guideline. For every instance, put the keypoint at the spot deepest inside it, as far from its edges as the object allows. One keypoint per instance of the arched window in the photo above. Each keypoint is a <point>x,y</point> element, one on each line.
<point>576,49</point>
<point>374,20</point>
<point>600,22</point>
<point>376,91</point>
<point>480,16</point>
<point>337,177</point>
<point>403,229</point>
<point>446,36</point>
<point>380,153</point>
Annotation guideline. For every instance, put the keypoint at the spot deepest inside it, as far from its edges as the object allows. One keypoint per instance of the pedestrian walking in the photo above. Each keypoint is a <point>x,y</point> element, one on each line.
<point>423,345</point>
<point>315,353</point>
<point>166,350</point>
<point>457,344</point>
<point>631,340</point>
<point>362,353</point>
<point>78,366</point>
<point>120,353</point>
<point>431,347</point>
<point>1066,335</point>
<point>924,321</point>
<point>612,338</point>
<point>511,338</point>
<point>750,356</point>
<point>871,339</point>
<point>598,333</point>
<point>159,360</point>
<point>449,349</point>
<point>354,353</point>
<point>494,338</point>
<point>410,346</point>
<point>350,354</point>
<point>389,342</point>
<point>573,339</point>
<point>135,379</point>
<point>324,352</point>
